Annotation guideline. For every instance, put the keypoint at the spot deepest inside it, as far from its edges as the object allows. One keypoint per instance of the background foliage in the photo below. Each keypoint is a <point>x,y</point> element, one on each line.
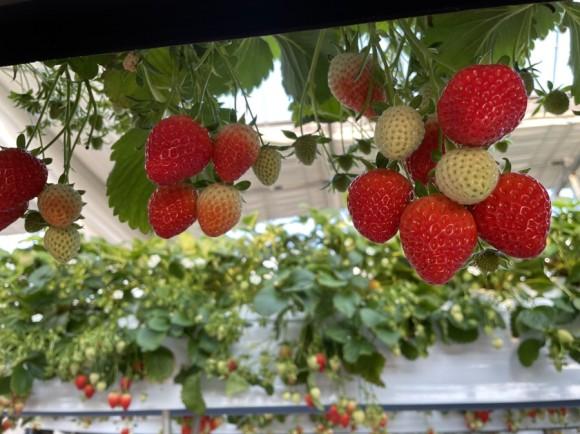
<point>115,309</point>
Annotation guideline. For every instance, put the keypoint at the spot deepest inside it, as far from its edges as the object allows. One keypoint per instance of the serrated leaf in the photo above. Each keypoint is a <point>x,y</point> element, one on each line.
<point>330,282</point>
<point>191,395</point>
<point>158,364</point>
<point>128,188</point>
<point>460,335</point>
<point>529,350</point>
<point>388,337</point>
<point>254,62</point>
<point>346,303</point>
<point>149,340</point>
<point>269,302</point>
<point>21,381</point>
<point>236,384</point>
<point>86,67</point>
<point>370,367</point>
<point>371,318</point>
<point>355,348</point>
<point>337,333</point>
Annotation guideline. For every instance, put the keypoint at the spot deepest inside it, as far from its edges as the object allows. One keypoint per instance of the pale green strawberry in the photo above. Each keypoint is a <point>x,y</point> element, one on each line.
<point>267,166</point>
<point>62,244</point>
<point>399,131</point>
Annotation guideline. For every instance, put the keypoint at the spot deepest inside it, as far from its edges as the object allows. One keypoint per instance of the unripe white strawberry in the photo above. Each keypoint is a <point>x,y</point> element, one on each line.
<point>267,166</point>
<point>399,131</point>
<point>467,176</point>
<point>315,393</point>
<point>497,343</point>
<point>359,417</point>
<point>94,377</point>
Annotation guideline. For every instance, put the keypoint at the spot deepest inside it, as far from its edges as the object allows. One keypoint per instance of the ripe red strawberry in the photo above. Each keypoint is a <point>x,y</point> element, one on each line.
<point>125,383</point>
<point>421,162</point>
<point>232,365</point>
<point>89,391</point>
<point>114,399</point>
<point>10,215</point>
<point>22,177</point>
<point>219,209</point>
<point>515,218</point>
<point>236,149</point>
<point>308,400</point>
<point>345,420</point>
<point>125,430</point>
<point>125,401</point>
<point>186,429</point>
<point>177,148</point>
<point>81,381</point>
<point>172,209</point>
<point>349,88</point>
<point>321,361</point>
<point>481,104</point>
<point>376,201</point>
<point>438,236</point>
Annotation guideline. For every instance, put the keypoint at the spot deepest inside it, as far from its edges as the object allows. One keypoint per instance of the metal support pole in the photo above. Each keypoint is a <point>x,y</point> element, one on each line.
<point>166,422</point>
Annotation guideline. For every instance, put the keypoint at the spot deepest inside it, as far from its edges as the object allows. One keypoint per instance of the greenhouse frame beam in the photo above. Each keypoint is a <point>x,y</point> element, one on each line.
<point>34,30</point>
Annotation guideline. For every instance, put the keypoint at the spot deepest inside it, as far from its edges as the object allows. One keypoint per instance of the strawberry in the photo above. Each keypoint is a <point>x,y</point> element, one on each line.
<point>236,149</point>
<point>89,391</point>
<point>186,429</point>
<point>232,365</point>
<point>177,148</point>
<point>466,176</point>
<point>321,361</point>
<point>219,209</point>
<point>376,201</point>
<point>10,215</point>
<point>556,102</point>
<point>114,399</point>
<point>345,420</point>
<point>125,430</point>
<point>267,166</point>
<point>172,209</point>
<point>481,104</point>
<point>81,381</point>
<point>125,383</point>
<point>309,400</point>
<point>351,86</point>
<point>399,131</point>
<point>22,177</point>
<point>515,218</point>
<point>421,162</point>
<point>125,401</point>
<point>60,205</point>
<point>62,244</point>
<point>437,236</point>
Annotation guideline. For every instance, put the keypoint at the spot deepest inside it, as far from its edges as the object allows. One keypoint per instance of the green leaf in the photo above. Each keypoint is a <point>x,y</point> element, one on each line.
<point>236,384</point>
<point>409,350</point>
<point>535,319</point>
<point>243,185</point>
<point>191,395</point>
<point>21,381</point>
<point>5,388</point>
<point>179,319</point>
<point>572,21</point>
<point>296,53</point>
<point>346,303</point>
<point>328,281</point>
<point>122,89</point>
<point>86,67</point>
<point>370,367</point>
<point>371,318</point>
<point>254,62</point>
<point>159,364</point>
<point>149,340</point>
<point>128,188</point>
<point>388,337</point>
<point>529,350</point>
<point>460,335</point>
<point>502,31</point>
<point>355,348</point>
<point>337,333</point>
<point>20,141</point>
<point>269,302</point>
<point>159,323</point>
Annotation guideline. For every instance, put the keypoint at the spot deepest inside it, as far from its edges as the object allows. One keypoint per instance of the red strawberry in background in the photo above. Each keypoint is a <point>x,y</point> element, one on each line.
<point>219,209</point>
<point>376,201</point>
<point>515,218</point>
<point>89,391</point>
<point>22,177</point>
<point>114,399</point>
<point>236,149</point>
<point>421,162</point>
<point>81,381</point>
<point>481,104</point>
<point>10,215</point>
<point>125,401</point>
<point>125,383</point>
<point>177,148</point>
<point>438,236</point>
<point>350,85</point>
<point>172,209</point>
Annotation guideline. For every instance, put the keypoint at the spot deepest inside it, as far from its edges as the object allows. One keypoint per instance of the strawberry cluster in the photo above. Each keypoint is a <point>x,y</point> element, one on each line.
<point>178,149</point>
<point>480,105</point>
<point>22,178</point>
<point>92,383</point>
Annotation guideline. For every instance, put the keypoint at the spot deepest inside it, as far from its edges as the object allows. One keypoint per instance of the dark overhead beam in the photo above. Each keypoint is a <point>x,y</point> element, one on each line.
<point>33,30</point>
